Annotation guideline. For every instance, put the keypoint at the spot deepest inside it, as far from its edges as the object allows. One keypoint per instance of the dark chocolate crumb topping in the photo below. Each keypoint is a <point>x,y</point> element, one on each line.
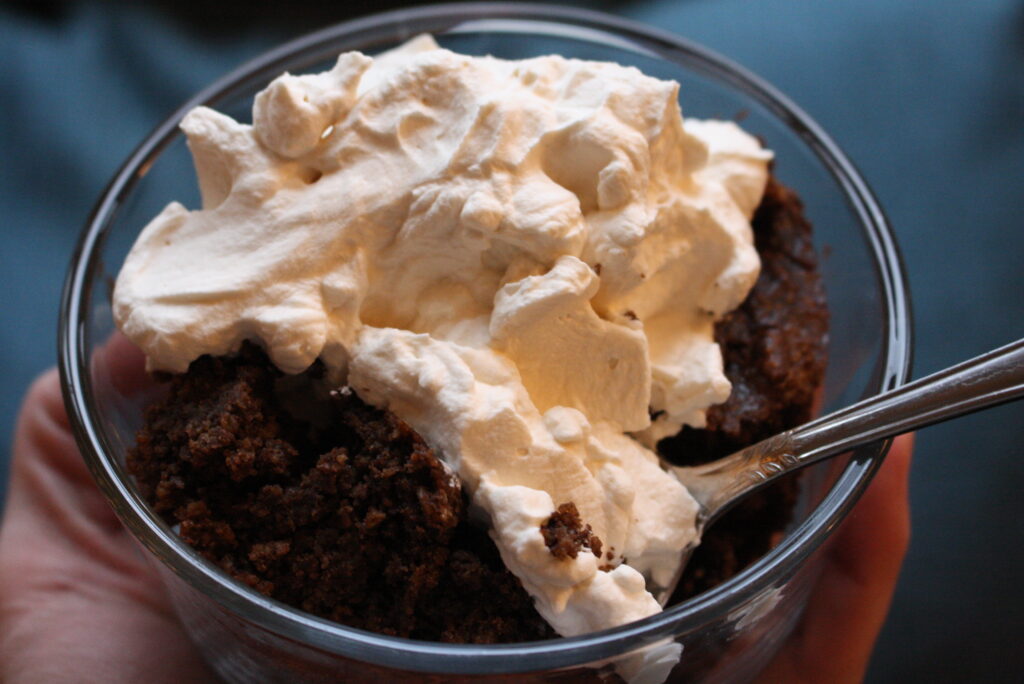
<point>566,535</point>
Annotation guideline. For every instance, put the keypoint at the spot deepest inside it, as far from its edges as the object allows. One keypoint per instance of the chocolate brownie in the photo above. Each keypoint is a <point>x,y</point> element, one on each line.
<point>348,515</point>
<point>340,509</point>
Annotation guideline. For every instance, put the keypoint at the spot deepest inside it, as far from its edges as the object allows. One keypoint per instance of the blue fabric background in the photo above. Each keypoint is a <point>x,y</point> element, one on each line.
<point>927,98</point>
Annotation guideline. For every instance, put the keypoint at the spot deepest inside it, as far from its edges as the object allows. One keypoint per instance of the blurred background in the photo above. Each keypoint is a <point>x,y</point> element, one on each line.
<point>927,98</point>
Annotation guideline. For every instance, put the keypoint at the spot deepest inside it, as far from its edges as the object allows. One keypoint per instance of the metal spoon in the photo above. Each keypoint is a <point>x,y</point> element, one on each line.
<point>984,381</point>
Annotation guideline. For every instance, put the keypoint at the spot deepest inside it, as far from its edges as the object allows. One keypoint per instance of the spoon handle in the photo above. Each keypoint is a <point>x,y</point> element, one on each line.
<point>986,380</point>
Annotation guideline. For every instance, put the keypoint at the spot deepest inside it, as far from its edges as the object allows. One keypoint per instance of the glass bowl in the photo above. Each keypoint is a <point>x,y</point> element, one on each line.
<point>728,633</point>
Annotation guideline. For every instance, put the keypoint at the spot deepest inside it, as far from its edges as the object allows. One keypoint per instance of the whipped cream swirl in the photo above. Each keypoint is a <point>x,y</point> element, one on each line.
<point>523,260</point>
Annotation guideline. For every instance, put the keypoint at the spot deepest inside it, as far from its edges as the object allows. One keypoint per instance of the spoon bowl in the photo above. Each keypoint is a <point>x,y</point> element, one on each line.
<point>988,380</point>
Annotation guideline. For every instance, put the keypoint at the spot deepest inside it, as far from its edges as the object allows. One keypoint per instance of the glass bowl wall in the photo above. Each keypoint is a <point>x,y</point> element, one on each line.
<point>726,634</point>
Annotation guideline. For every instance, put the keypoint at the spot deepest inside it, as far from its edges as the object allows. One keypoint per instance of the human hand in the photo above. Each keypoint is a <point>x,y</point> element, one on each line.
<point>77,600</point>
<point>834,639</point>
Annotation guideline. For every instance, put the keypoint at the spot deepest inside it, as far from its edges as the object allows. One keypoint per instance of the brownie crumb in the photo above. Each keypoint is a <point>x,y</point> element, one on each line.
<point>565,534</point>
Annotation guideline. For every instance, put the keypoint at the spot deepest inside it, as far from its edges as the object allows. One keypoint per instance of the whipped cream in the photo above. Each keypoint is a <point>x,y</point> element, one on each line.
<point>522,260</point>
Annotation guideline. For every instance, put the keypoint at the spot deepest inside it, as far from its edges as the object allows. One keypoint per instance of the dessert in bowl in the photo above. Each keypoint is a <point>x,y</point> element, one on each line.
<point>339,649</point>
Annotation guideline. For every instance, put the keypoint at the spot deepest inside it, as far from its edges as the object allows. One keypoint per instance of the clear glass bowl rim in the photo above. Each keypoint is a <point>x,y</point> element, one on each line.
<point>431,657</point>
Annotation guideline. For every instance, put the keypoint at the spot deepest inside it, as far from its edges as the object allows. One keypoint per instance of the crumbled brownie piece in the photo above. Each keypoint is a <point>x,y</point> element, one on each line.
<point>355,520</point>
<point>565,534</point>
<point>478,600</point>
